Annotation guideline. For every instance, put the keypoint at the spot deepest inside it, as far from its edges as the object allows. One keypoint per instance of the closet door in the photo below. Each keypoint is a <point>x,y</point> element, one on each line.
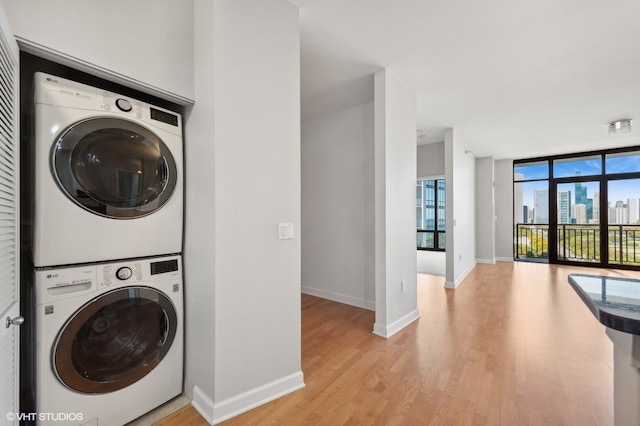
<point>9,214</point>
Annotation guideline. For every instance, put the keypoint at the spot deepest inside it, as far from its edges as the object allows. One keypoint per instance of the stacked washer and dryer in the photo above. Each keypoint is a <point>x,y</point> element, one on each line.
<point>107,238</point>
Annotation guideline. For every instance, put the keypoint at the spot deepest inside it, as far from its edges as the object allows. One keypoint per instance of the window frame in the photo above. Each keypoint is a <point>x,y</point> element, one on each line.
<point>603,178</point>
<point>439,236</point>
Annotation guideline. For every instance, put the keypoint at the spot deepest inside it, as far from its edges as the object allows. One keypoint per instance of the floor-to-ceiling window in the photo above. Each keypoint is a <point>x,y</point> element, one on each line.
<point>577,183</point>
<point>430,214</point>
<point>623,224</point>
<point>579,209</point>
<point>531,210</point>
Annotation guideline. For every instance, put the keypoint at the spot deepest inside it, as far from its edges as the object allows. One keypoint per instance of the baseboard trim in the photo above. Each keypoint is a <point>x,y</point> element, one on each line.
<point>393,328</point>
<point>231,407</point>
<point>339,297</point>
<point>486,261</point>
<point>203,404</point>
<point>505,259</point>
<point>456,283</point>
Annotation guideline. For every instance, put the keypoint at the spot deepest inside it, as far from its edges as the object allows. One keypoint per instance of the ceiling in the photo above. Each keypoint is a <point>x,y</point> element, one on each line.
<point>515,79</point>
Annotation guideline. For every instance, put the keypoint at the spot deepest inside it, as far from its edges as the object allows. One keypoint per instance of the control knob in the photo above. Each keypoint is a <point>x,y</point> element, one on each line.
<point>124,273</point>
<point>123,105</point>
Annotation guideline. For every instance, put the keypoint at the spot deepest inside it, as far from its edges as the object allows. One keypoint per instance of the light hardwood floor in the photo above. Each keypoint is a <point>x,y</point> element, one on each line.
<point>513,345</point>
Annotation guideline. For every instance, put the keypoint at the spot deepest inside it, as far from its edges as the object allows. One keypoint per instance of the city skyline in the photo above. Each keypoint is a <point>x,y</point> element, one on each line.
<point>571,211</point>
<point>619,190</point>
<point>533,178</point>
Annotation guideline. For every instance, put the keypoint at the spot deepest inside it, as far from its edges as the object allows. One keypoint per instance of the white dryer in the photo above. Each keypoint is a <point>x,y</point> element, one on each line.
<point>109,340</point>
<point>108,176</point>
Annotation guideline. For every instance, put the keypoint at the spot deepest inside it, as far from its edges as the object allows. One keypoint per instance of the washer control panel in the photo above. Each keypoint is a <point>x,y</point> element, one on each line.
<point>115,273</point>
<point>54,284</point>
<point>137,271</point>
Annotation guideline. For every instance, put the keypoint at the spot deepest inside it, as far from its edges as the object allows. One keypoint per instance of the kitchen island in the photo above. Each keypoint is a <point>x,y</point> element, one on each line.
<point>615,302</point>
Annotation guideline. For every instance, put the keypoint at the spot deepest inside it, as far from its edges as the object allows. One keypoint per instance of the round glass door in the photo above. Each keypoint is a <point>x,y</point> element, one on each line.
<point>114,340</point>
<point>114,168</point>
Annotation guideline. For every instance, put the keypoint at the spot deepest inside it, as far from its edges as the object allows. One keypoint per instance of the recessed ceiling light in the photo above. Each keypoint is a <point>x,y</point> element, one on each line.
<point>620,126</point>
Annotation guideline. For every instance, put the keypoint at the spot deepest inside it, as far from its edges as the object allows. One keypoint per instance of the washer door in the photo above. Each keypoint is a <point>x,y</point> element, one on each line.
<point>114,168</point>
<point>114,340</point>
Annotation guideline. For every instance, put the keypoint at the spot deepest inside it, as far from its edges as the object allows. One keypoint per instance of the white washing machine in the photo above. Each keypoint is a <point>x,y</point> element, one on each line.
<point>109,340</point>
<point>108,176</point>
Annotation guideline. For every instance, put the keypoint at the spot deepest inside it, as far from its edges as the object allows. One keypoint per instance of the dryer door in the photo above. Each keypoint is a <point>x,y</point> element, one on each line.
<point>114,340</point>
<point>114,168</point>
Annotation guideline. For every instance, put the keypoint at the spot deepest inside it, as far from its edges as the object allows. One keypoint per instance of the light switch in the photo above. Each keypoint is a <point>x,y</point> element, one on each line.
<point>285,231</point>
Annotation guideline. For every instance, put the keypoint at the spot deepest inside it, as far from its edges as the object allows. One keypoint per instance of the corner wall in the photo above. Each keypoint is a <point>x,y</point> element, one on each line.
<point>337,206</point>
<point>485,211</point>
<point>394,204</point>
<point>504,210</point>
<point>243,157</point>
<point>431,160</point>
<point>200,216</point>
<point>460,192</point>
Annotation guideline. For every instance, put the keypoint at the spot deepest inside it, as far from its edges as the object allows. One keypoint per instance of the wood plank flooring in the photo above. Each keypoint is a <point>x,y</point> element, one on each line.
<point>184,416</point>
<point>513,345</point>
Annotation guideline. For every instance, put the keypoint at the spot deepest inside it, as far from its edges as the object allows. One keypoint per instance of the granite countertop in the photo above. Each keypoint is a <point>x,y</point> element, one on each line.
<point>615,302</point>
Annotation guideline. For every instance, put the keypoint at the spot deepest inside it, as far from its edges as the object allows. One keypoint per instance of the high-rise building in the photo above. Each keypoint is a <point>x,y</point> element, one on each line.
<point>564,206</point>
<point>612,216</point>
<point>581,194</point>
<point>589,209</point>
<point>581,214</point>
<point>595,218</point>
<point>532,216</point>
<point>632,208</point>
<point>620,214</point>
<point>541,205</point>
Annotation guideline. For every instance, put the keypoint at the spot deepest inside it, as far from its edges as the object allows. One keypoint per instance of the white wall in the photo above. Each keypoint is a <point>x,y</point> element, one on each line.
<point>395,232</point>
<point>431,160</point>
<point>357,91</point>
<point>144,44</point>
<point>485,211</point>
<point>460,192</point>
<point>337,206</point>
<point>250,68</point>
<point>200,218</point>
<point>504,209</point>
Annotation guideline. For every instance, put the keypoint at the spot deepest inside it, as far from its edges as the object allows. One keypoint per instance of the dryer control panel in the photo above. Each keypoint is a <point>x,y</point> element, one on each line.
<point>64,93</point>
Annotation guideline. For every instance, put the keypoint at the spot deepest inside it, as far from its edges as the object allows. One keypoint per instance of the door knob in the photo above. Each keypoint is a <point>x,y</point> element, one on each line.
<point>15,321</point>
